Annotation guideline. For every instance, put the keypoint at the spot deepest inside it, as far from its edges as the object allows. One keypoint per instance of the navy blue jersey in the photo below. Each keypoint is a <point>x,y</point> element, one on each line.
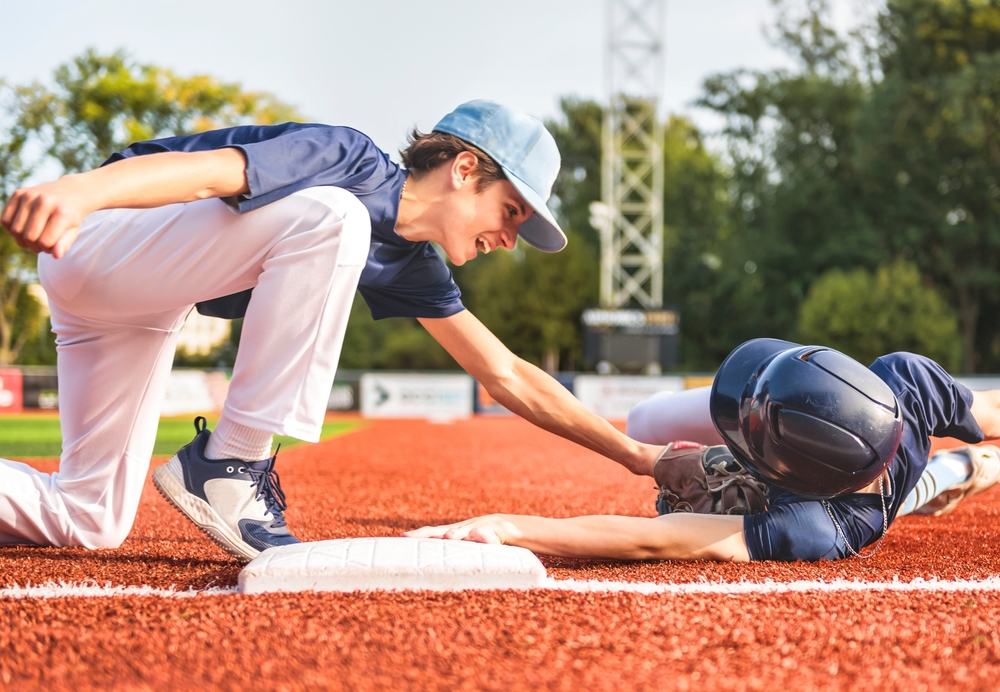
<point>932,404</point>
<point>401,278</point>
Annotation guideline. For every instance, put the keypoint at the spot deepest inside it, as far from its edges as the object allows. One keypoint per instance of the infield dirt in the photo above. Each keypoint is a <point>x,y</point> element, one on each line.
<point>395,475</point>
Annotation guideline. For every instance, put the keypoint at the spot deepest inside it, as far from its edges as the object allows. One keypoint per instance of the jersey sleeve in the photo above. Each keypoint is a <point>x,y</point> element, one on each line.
<point>933,402</point>
<point>283,159</point>
<point>423,288</point>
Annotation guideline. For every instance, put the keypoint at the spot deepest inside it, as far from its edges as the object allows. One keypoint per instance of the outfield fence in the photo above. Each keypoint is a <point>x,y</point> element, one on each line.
<point>388,394</point>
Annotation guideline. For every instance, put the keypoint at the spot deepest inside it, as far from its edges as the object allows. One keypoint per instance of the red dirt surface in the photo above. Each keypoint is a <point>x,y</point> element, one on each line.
<point>396,475</point>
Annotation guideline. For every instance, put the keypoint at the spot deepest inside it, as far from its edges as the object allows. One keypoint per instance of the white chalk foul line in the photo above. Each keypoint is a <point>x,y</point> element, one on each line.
<point>70,590</point>
<point>768,587</point>
<point>991,584</point>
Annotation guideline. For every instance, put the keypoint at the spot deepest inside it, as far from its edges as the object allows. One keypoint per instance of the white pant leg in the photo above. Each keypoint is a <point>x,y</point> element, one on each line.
<point>109,411</point>
<point>666,417</point>
<point>118,299</point>
<point>295,324</point>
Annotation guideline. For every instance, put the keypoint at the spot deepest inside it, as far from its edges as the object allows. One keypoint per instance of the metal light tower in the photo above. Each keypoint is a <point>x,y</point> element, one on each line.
<point>630,217</point>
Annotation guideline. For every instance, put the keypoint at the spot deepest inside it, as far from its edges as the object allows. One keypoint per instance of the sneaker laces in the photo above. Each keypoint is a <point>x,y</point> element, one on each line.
<point>269,490</point>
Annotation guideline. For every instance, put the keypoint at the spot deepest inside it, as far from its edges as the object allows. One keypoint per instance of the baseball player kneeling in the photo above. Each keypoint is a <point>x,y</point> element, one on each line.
<point>820,456</point>
<point>280,224</point>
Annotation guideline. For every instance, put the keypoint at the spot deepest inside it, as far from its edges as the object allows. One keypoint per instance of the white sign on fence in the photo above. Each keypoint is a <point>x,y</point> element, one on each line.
<point>416,396</point>
<point>612,397</point>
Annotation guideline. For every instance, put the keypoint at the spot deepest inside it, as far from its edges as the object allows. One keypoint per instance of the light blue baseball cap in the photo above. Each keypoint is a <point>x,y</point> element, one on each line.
<point>526,152</point>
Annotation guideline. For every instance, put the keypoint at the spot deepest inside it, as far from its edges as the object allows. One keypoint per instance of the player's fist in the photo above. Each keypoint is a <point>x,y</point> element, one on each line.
<point>46,218</point>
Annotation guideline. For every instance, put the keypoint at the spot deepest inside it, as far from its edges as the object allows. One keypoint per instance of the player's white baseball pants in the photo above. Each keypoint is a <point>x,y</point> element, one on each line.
<point>118,300</point>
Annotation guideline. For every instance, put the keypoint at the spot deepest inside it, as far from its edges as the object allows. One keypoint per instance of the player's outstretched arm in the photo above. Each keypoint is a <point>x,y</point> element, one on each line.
<point>532,394</point>
<point>45,218</point>
<point>669,537</point>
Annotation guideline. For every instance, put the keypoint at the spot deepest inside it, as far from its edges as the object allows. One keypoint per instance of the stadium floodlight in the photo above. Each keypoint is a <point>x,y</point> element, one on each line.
<point>630,216</point>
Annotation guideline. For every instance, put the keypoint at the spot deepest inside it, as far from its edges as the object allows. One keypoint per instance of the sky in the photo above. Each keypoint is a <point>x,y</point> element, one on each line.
<point>386,66</point>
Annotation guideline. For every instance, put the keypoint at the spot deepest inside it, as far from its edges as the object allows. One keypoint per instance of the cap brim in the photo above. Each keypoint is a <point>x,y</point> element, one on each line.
<point>730,383</point>
<point>540,230</point>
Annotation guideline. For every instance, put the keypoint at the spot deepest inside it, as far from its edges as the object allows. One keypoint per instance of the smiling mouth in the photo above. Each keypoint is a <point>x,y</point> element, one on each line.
<point>483,246</point>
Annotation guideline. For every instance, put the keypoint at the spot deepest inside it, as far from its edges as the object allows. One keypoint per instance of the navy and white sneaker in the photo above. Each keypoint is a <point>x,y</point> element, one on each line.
<point>238,504</point>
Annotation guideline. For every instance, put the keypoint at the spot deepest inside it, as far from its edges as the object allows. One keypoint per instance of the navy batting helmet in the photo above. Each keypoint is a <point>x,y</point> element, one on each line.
<point>806,419</point>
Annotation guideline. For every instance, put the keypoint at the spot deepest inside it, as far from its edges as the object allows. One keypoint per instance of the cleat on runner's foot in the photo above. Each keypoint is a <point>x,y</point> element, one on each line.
<point>238,504</point>
<point>985,474</point>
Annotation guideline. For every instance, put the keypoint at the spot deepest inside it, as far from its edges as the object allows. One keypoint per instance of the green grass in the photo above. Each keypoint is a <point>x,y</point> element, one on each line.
<point>37,435</point>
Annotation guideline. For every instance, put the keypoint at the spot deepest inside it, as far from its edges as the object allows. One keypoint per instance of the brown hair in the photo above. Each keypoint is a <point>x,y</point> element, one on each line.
<point>426,152</point>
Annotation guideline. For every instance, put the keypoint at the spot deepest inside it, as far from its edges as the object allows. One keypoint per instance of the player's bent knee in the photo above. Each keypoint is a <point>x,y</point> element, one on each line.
<point>100,530</point>
<point>345,218</point>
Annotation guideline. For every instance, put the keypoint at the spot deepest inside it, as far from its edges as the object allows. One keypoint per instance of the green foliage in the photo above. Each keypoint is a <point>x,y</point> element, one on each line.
<point>105,102</point>
<point>698,267</point>
<point>39,349</point>
<point>930,151</point>
<point>533,300</point>
<point>23,112</point>
<point>395,343</point>
<point>836,166</point>
<point>794,184</point>
<point>578,136</point>
<point>867,315</point>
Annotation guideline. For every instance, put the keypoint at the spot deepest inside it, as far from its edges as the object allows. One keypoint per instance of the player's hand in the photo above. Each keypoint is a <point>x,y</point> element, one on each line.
<point>46,218</point>
<point>493,528</point>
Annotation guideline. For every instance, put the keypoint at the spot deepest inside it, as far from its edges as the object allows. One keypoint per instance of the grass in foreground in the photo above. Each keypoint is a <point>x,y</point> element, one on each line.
<point>37,434</point>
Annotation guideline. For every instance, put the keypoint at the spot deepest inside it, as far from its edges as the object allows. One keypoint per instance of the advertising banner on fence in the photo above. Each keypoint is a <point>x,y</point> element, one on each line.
<point>416,396</point>
<point>612,397</point>
<point>11,390</point>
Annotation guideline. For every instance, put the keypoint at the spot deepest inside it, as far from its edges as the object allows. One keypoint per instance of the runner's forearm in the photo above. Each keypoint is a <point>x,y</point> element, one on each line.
<point>671,537</point>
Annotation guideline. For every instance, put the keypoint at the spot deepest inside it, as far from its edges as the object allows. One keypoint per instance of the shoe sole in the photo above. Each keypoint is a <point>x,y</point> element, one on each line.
<point>201,514</point>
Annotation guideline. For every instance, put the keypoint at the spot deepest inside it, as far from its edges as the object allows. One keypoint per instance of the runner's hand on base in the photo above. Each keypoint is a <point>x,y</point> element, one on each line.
<point>493,528</point>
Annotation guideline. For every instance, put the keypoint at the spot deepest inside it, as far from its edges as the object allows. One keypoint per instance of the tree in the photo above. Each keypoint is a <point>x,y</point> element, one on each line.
<point>105,102</point>
<point>867,315</point>
<point>698,268</point>
<point>25,110</point>
<point>930,152</point>
<point>578,135</point>
<point>396,343</point>
<point>533,300</point>
<point>793,179</point>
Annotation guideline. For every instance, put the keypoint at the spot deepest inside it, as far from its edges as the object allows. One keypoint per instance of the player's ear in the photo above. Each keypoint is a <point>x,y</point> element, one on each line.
<point>464,169</point>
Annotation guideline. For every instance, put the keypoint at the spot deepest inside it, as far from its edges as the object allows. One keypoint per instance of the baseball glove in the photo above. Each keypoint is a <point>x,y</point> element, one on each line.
<point>692,477</point>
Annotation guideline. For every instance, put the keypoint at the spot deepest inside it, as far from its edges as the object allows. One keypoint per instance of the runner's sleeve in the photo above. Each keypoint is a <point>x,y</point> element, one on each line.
<point>933,402</point>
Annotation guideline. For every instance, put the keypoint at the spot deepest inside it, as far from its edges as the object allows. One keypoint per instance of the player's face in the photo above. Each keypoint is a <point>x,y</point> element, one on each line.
<point>483,221</point>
